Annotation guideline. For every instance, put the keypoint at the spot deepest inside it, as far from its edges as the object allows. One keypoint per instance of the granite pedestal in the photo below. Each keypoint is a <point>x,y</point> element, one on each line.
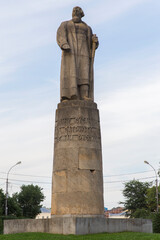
<point>77,185</point>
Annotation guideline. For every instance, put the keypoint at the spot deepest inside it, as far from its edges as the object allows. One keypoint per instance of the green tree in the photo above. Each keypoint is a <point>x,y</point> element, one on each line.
<point>151,198</point>
<point>135,195</point>
<point>30,198</point>
<point>2,202</point>
<point>141,213</point>
<point>14,207</point>
<point>156,223</point>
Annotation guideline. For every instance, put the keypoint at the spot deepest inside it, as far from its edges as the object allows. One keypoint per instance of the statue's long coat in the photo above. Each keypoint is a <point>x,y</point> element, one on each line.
<point>75,64</point>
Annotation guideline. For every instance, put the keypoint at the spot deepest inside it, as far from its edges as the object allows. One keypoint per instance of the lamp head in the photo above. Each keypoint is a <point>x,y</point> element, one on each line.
<point>18,163</point>
<point>146,162</point>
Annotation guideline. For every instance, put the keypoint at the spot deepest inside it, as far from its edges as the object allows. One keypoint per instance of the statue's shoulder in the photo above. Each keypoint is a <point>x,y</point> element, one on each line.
<point>65,23</point>
<point>87,26</point>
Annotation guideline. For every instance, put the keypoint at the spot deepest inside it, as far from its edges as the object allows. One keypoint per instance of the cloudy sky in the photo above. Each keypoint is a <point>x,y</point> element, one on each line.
<point>127,89</point>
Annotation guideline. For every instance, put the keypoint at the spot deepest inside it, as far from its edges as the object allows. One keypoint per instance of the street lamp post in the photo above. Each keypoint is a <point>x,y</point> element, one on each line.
<point>156,182</point>
<point>6,200</point>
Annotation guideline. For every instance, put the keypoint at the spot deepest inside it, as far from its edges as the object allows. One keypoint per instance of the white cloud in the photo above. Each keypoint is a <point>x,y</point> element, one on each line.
<point>136,66</point>
<point>4,110</point>
<point>27,8</point>
<point>6,69</point>
<point>23,36</point>
<point>109,9</point>
<point>131,112</point>
<point>25,136</point>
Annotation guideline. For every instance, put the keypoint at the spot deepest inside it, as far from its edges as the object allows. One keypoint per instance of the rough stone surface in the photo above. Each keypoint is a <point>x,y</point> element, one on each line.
<point>77,225</point>
<point>77,185</point>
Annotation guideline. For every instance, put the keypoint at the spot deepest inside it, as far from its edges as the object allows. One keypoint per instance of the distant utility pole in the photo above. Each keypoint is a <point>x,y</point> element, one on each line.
<point>156,182</point>
<point>6,200</point>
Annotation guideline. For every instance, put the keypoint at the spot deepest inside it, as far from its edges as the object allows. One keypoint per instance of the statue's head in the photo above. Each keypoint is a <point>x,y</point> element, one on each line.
<point>77,12</point>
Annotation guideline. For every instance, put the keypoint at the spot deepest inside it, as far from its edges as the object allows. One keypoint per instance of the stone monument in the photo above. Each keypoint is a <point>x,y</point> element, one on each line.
<point>77,184</point>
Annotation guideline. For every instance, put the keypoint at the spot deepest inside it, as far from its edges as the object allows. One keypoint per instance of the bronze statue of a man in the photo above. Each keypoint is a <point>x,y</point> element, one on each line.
<point>78,45</point>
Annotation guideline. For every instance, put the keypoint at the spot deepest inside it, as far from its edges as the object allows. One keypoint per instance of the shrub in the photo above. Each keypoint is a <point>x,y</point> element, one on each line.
<point>156,223</point>
<point>141,213</point>
<point>1,226</point>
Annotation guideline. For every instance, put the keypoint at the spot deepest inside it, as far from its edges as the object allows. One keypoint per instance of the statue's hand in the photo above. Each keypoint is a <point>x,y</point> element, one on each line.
<point>66,47</point>
<point>94,38</point>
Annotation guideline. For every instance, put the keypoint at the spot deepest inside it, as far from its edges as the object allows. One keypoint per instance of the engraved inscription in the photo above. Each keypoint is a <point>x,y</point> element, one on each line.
<point>77,129</point>
<point>73,120</point>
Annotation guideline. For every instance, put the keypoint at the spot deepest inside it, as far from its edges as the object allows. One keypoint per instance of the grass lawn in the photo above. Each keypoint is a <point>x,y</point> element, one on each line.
<point>102,236</point>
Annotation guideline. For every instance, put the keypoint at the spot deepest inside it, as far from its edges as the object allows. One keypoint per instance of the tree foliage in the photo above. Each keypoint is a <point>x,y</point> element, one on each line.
<point>13,205</point>
<point>135,195</point>
<point>14,208</point>
<point>30,198</point>
<point>26,203</point>
<point>141,213</point>
<point>156,223</point>
<point>151,198</point>
<point>2,202</point>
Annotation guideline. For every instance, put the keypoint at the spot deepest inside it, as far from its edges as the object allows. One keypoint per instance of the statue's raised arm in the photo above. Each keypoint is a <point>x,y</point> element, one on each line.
<point>78,46</point>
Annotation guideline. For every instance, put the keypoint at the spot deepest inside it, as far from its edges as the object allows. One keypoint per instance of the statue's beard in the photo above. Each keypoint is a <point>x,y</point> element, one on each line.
<point>76,19</point>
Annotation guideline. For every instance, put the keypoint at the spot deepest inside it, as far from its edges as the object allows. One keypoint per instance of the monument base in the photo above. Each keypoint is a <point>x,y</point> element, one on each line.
<point>77,183</point>
<point>77,225</point>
